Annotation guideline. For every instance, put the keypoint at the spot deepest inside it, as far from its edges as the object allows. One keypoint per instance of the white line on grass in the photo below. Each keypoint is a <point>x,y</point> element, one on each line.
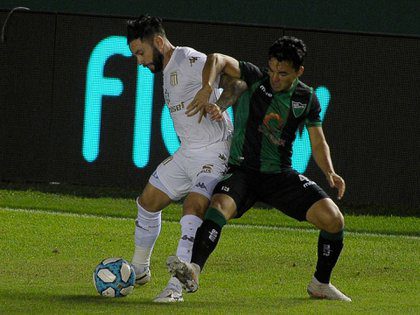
<point>237,226</point>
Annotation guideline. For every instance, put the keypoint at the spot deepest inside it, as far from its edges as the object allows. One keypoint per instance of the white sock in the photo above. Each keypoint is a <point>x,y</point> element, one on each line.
<point>174,284</point>
<point>148,225</point>
<point>189,225</point>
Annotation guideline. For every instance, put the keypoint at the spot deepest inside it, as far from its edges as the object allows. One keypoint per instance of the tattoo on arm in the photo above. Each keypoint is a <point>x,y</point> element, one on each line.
<point>232,90</point>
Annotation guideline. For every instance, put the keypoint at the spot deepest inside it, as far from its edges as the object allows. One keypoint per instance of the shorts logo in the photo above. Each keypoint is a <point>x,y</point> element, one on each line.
<point>155,175</point>
<point>167,160</point>
<point>173,78</point>
<point>298,108</point>
<point>207,168</point>
<point>225,188</point>
<point>222,157</point>
<point>201,185</point>
<point>307,181</point>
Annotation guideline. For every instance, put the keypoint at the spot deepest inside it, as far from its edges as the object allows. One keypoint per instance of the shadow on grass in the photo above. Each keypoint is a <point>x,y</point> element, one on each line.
<point>91,300</point>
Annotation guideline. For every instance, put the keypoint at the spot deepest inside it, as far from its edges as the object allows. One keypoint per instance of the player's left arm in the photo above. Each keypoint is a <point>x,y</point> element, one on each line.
<point>322,156</point>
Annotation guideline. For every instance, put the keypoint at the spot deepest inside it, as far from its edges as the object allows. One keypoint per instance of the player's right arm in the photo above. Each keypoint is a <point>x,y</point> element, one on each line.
<point>232,90</point>
<point>215,65</point>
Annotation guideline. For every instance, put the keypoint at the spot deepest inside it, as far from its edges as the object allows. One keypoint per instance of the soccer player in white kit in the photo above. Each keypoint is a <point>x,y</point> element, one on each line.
<point>196,167</point>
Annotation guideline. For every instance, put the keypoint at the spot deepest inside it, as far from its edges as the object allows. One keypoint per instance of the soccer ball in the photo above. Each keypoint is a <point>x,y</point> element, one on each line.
<point>114,277</point>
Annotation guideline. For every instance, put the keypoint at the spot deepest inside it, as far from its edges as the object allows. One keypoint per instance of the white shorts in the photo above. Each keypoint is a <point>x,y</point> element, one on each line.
<point>188,171</point>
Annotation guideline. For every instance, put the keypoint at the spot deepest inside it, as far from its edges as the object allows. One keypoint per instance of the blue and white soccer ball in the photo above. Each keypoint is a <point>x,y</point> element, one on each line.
<point>114,277</point>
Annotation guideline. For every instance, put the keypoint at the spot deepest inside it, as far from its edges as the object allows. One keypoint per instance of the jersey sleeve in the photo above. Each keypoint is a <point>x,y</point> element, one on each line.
<point>194,64</point>
<point>314,119</point>
<point>250,73</point>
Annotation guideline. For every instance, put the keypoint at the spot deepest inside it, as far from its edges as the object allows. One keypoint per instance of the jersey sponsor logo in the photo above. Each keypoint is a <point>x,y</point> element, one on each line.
<point>173,79</point>
<point>271,127</point>
<point>298,108</point>
<point>166,97</point>
<point>201,185</point>
<point>264,90</point>
<point>192,60</point>
<point>175,108</point>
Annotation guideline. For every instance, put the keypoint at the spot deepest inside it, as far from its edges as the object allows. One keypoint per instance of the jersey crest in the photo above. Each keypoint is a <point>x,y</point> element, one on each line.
<point>298,108</point>
<point>173,78</point>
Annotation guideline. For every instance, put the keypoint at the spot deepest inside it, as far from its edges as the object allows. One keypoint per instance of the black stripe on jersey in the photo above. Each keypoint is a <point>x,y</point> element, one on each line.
<point>288,135</point>
<point>302,95</point>
<point>260,101</point>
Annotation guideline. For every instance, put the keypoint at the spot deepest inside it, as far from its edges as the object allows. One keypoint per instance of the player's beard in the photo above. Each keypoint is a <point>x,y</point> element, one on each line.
<point>157,60</point>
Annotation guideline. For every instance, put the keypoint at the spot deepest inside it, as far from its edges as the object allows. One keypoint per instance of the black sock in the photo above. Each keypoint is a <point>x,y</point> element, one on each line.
<point>207,236</point>
<point>329,249</point>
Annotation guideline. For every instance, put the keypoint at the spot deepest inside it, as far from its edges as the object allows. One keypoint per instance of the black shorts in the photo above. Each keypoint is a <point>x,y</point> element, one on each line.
<point>289,191</point>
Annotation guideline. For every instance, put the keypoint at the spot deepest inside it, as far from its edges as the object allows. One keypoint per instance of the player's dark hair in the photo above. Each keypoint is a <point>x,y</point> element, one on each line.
<point>288,48</point>
<point>145,28</point>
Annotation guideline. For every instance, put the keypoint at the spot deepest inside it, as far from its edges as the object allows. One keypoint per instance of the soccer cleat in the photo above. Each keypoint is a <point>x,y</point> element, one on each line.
<point>187,273</point>
<point>172,293</point>
<point>327,291</point>
<point>142,277</point>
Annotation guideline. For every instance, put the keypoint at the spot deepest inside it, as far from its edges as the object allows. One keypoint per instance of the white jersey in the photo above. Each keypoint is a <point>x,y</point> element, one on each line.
<point>182,79</point>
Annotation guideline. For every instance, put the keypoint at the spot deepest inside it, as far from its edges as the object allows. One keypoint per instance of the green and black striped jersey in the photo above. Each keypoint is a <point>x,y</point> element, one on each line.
<point>266,123</point>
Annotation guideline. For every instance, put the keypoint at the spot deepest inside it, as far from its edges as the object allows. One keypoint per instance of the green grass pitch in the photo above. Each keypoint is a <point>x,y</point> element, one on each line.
<point>50,244</point>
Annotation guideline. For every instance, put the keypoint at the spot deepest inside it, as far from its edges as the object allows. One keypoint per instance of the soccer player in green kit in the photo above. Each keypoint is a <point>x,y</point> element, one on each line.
<point>267,117</point>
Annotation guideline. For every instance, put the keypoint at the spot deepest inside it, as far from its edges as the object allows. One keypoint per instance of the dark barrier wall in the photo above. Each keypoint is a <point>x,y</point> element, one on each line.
<point>383,16</point>
<point>75,108</point>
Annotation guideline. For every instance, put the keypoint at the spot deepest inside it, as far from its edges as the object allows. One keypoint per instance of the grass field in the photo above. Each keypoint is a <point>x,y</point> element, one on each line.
<point>50,244</point>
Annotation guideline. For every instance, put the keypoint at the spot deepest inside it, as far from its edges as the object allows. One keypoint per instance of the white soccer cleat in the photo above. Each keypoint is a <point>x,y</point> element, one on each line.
<point>327,291</point>
<point>172,293</point>
<point>187,273</point>
<point>142,276</point>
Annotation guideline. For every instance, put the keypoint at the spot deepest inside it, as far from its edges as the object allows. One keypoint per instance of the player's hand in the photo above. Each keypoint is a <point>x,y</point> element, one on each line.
<point>337,181</point>
<point>214,112</point>
<point>200,100</point>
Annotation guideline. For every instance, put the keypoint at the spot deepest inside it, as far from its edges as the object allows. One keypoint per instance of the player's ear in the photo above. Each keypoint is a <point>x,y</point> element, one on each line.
<point>300,71</point>
<point>158,41</point>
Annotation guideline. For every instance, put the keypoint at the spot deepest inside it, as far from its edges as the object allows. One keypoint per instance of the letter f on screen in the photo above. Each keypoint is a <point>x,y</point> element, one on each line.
<point>96,87</point>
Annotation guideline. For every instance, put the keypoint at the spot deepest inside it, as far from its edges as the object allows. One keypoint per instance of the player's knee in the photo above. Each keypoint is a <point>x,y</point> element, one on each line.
<point>146,203</point>
<point>194,209</point>
<point>335,222</point>
<point>224,204</point>
<point>152,201</point>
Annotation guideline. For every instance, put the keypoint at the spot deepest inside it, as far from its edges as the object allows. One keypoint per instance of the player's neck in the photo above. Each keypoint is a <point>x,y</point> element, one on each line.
<point>168,50</point>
